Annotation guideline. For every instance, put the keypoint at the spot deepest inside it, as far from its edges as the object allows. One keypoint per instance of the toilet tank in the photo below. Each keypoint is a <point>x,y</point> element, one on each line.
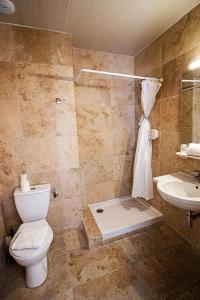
<point>34,204</point>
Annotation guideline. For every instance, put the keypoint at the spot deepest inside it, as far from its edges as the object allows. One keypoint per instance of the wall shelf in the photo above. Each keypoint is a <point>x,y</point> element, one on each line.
<point>185,156</point>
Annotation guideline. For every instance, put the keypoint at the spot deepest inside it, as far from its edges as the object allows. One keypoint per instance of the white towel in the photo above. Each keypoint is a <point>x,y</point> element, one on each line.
<point>193,149</point>
<point>30,238</point>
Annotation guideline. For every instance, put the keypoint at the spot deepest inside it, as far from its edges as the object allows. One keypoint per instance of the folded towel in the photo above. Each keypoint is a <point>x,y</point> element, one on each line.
<point>30,238</point>
<point>193,149</point>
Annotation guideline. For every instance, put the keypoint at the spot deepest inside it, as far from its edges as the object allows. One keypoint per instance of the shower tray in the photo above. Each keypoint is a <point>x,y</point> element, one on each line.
<point>123,215</point>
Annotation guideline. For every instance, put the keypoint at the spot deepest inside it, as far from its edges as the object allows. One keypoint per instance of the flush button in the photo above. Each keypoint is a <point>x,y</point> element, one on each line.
<point>99,210</point>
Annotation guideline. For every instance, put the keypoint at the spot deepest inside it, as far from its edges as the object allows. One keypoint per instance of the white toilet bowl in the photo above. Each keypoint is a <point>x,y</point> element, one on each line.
<point>34,260</point>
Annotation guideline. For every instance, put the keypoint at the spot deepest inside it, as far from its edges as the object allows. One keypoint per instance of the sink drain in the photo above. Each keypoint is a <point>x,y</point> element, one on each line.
<point>99,210</point>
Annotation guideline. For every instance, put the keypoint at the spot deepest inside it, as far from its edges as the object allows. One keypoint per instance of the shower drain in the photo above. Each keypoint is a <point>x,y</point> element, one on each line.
<point>99,210</point>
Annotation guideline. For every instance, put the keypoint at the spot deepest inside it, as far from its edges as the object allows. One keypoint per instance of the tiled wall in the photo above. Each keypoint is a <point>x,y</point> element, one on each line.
<point>2,238</point>
<point>36,135</point>
<point>169,57</point>
<point>105,123</point>
<point>40,137</point>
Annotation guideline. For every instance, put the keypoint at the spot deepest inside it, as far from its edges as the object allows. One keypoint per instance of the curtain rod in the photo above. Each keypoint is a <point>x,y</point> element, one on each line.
<point>114,74</point>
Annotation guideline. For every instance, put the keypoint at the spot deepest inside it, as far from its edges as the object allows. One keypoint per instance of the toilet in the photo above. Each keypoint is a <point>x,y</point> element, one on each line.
<point>32,207</point>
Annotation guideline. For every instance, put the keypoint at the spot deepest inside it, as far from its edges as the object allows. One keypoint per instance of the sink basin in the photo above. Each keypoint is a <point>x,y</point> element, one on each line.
<point>180,193</point>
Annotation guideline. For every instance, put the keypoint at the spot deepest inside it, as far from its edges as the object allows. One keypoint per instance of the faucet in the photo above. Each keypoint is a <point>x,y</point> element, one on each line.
<point>196,176</point>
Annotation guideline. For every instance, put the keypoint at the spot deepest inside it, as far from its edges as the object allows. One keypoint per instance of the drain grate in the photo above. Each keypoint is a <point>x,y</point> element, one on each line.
<point>99,210</point>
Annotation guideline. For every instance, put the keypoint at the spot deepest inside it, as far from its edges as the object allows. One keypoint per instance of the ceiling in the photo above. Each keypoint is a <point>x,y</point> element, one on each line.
<point>118,26</point>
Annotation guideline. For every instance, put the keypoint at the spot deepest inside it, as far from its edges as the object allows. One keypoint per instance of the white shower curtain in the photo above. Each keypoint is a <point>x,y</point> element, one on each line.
<point>142,173</point>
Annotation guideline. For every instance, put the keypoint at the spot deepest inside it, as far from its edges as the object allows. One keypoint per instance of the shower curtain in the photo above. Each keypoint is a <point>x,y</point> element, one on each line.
<point>142,173</point>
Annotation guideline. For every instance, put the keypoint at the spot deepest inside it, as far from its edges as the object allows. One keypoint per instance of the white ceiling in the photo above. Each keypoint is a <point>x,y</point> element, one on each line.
<point>118,26</point>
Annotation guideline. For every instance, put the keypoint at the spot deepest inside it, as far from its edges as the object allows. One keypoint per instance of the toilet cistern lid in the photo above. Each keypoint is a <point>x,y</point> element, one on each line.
<point>33,189</point>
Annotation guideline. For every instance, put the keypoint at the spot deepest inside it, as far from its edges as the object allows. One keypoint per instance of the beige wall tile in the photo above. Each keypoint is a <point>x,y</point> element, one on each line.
<point>41,46</point>
<point>93,94</point>
<point>8,79</point>
<point>182,36</point>
<point>170,114</point>
<point>98,192</point>
<point>171,78</point>
<point>96,171</point>
<point>95,145</point>
<point>122,92</point>
<point>65,213</point>
<point>148,59</point>
<point>12,157</point>
<point>10,119</point>
<point>91,119</point>
<point>6,45</point>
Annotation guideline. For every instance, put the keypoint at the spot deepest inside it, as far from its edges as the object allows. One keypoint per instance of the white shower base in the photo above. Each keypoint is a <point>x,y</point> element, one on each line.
<point>123,215</point>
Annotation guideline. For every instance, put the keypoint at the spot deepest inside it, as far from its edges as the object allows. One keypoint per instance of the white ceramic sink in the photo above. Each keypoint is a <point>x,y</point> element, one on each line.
<point>180,190</point>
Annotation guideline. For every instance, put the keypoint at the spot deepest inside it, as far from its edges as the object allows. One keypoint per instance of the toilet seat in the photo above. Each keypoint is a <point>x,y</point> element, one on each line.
<point>29,254</point>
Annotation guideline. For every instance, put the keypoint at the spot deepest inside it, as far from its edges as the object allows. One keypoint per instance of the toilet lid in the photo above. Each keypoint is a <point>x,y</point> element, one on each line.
<point>28,253</point>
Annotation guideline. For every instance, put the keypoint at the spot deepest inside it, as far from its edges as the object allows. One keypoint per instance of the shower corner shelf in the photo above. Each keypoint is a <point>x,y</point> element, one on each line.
<point>185,156</point>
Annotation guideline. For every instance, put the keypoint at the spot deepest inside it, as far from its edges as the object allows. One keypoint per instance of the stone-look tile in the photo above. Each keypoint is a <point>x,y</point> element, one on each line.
<point>6,46</point>
<point>51,154</point>
<point>90,59</point>
<point>86,266</point>
<point>93,93</point>
<point>65,120</point>
<point>170,114</point>
<point>98,192</point>
<point>2,238</point>
<point>96,171</point>
<point>93,119</point>
<point>92,231</point>
<point>38,119</point>
<point>66,153</point>
<point>122,284</point>
<point>8,78</point>
<point>66,183</point>
<point>95,145</point>
<point>66,242</point>
<point>10,120</point>
<point>40,150</point>
<point>123,187</point>
<point>182,36</point>
<point>12,157</point>
<point>149,59</point>
<point>155,168</point>
<point>171,78</point>
<point>65,213</point>
<point>191,293</point>
<point>123,131</point>
<point>122,93</point>
<point>121,63</point>
<point>55,287</point>
<point>169,145</point>
<point>169,272</point>
<point>39,86</point>
<point>122,167</point>
<point>151,241</point>
<point>40,46</point>
<point>8,187</point>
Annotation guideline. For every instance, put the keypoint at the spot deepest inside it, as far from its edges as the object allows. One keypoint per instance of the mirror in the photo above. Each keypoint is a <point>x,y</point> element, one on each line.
<point>190,107</point>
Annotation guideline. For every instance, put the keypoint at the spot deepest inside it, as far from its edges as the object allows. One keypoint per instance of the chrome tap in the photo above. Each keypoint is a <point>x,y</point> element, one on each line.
<point>196,175</point>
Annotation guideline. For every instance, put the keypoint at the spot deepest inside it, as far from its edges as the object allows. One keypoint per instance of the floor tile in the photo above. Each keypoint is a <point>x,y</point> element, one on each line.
<point>87,265</point>
<point>122,284</point>
<point>151,241</point>
<point>169,272</point>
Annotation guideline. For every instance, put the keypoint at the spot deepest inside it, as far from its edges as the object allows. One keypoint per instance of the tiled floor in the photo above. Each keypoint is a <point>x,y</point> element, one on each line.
<point>155,264</point>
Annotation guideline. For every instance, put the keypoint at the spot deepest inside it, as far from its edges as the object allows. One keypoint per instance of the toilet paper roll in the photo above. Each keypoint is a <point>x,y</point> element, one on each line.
<point>25,186</point>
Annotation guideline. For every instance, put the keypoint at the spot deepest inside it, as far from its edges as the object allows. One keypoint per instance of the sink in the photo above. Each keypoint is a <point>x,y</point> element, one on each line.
<point>179,190</point>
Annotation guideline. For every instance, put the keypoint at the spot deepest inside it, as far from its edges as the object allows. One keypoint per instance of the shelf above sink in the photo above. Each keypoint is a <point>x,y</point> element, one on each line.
<point>185,156</point>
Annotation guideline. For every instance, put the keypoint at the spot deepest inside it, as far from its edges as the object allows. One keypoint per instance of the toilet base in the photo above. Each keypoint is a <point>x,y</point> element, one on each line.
<point>37,273</point>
